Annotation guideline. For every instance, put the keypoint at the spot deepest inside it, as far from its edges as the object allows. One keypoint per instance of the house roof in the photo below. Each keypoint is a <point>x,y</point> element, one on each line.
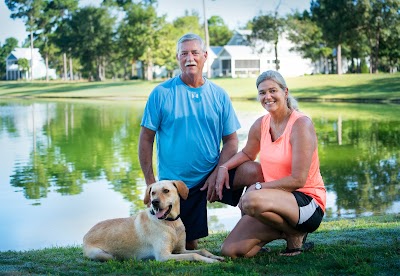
<point>18,53</point>
<point>239,52</point>
<point>216,49</point>
<point>243,32</point>
<point>240,37</point>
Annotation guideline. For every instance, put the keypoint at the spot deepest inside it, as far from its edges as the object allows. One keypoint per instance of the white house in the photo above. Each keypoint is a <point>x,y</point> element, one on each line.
<point>13,72</point>
<point>240,59</point>
<point>237,61</point>
<point>213,52</point>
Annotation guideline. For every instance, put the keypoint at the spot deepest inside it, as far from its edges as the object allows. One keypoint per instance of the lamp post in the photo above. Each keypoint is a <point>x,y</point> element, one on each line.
<point>207,39</point>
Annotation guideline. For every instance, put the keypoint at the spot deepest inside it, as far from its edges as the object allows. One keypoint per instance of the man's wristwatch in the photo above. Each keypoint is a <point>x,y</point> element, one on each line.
<point>258,186</point>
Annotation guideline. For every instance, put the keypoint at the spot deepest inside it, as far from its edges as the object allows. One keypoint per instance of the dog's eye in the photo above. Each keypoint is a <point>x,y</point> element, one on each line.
<point>165,191</point>
<point>153,193</point>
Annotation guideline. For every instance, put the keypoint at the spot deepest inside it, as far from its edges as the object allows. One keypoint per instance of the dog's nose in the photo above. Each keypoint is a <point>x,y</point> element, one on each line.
<point>155,203</point>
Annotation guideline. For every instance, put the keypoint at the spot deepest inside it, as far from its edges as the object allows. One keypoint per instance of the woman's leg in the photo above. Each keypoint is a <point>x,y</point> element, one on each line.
<point>278,209</point>
<point>248,237</point>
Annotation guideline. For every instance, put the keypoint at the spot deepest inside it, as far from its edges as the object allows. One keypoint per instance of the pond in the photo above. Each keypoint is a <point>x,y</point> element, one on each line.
<point>65,165</point>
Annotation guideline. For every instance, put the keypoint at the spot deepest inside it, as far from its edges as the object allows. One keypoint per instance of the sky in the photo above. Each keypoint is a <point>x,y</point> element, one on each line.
<point>235,13</point>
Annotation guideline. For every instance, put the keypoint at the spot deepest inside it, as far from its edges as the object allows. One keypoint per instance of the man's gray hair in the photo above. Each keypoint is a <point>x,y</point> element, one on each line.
<point>277,77</point>
<point>189,37</point>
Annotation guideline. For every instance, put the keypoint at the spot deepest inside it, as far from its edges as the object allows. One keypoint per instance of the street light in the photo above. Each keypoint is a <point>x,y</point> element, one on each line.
<point>207,39</point>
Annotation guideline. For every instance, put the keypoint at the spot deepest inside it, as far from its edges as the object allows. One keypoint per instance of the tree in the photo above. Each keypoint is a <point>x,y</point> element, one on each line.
<point>10,44</point>
<point>267,28</point>
<point>380,23</point>
<point>165,54</point>
<point>52,15</point>
<point>307,37</point>
<point>219,31</point>
<point>189,23</point>
<point>23,64</point>
<point>137,35</point>
<point>126,3</point>
<point>89,36</point>
<point>390,46</point>
<point>336,19</point>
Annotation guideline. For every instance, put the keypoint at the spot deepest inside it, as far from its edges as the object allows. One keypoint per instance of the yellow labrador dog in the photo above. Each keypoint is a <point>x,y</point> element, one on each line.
<point>155,233</point>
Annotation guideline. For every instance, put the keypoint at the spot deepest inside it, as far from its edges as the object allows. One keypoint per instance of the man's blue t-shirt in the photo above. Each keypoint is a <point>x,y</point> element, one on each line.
<point>189,124</point>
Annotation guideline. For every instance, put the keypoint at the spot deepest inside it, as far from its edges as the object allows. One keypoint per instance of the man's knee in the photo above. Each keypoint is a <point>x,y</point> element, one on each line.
<point>248,173</point>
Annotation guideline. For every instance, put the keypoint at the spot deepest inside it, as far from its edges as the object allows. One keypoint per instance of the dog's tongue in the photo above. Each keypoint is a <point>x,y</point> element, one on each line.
<point>161,213</point>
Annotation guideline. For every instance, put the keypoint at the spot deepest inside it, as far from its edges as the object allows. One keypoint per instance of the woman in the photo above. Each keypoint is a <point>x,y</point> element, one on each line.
<point>290,203</point>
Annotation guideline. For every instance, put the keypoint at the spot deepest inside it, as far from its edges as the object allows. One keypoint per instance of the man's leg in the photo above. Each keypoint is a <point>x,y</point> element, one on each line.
<point>239,178</point>
<point>194,216</point>
<point>191,245</point>
<point>247,174</point>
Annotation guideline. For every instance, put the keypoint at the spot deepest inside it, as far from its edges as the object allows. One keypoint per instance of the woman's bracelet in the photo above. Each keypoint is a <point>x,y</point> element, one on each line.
<point>224,167</point>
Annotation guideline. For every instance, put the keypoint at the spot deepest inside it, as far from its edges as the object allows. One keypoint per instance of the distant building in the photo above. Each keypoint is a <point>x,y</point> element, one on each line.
<point>241,59</point>
<point>13,72</point>
<point>213,52</point>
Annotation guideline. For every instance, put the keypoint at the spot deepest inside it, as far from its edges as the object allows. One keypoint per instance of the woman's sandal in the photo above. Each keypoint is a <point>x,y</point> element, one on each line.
<point>306,246</point>
<point>265,250</point>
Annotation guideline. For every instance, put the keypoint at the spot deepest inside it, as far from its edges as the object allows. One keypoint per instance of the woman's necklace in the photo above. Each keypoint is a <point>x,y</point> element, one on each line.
<point>276,130</point>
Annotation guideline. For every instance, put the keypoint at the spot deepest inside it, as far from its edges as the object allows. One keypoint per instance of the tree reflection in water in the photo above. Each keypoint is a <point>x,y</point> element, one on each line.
<point>73,143</point>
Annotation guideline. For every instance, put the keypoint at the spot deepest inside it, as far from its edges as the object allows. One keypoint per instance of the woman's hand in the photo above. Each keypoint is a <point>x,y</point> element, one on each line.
<point>248,189</point>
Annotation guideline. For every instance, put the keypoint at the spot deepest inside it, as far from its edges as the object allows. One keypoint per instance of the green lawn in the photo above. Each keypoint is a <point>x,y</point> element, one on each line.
<point>363,246</point>
<point>362,87</point>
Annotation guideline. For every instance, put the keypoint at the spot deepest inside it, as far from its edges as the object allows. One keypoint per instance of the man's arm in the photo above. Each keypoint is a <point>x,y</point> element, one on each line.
<point>146,141</point>
<point>229,148</point>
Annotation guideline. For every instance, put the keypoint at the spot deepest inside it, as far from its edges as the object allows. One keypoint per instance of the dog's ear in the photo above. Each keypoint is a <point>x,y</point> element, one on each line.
<point>147,194</point>
<point>183,190</point>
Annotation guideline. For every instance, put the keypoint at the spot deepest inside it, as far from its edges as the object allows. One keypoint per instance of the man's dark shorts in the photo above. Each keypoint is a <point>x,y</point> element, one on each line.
<point>194,209</point>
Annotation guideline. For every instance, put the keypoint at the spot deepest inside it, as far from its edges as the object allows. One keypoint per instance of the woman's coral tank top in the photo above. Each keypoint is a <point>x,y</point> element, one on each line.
<point>276,159</point>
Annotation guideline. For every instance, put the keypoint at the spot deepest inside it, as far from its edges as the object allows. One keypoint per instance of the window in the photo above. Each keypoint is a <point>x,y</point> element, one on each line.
<point>247,64</point>
<point>226,64</point>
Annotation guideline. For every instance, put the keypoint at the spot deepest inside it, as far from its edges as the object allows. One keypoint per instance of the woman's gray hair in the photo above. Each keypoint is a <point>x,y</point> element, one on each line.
<point>189,37</point>
<point>277,77</point>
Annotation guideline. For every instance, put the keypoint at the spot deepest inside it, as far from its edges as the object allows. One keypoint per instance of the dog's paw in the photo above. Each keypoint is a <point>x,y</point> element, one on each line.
<point>218,258</point>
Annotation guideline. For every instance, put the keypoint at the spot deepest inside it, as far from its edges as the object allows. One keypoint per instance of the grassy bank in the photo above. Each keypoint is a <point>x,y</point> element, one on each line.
<point>363,246</point>
<point>361,87</point>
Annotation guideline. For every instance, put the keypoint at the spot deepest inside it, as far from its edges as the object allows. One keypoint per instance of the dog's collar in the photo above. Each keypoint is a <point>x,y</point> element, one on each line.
<point>173,219</point>
<point>169,219</point>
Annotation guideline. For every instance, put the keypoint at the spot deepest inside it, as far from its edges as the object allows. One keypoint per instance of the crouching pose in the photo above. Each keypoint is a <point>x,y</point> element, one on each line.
<point>290,202</point>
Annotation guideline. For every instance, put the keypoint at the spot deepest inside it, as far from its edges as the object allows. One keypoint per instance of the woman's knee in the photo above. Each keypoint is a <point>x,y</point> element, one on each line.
<point>227,250</point>
<point>251,204</point>
<point>230,250</point>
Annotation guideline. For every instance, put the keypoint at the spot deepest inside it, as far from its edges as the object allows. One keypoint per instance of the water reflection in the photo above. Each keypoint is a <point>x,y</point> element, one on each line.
<point>76,143</point>
<point>67,165</point>
<point>364,170</point>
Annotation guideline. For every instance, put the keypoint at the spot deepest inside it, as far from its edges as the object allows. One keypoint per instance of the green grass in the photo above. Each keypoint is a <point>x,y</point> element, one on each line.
<point>362,246</point>
<point>357,87</point>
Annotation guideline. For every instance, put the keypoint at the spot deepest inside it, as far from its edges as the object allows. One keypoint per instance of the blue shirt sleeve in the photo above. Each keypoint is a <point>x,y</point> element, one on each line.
<point>231,122</point>
<point>152,114</point>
